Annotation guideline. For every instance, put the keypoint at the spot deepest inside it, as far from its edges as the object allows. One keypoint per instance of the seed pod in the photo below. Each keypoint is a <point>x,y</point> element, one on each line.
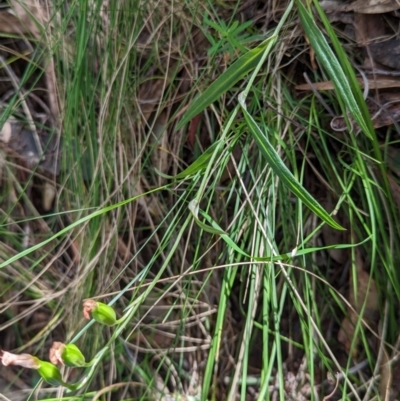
<point>100,312</point>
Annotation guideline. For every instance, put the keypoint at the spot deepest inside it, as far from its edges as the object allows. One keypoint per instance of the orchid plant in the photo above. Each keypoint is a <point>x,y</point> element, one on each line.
<point>64,354</point>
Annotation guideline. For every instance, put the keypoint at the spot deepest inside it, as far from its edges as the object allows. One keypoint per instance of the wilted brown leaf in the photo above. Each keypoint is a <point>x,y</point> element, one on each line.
<point>387,112</point>
<point>161,155</point>
<point>368,27</point>
<point>48,195</point>
<point>386,53</point>
<point>9,23</point>
<point>150,94</point>
<point>366,293</point>
<point>395,190</point>
<point>393,160</point>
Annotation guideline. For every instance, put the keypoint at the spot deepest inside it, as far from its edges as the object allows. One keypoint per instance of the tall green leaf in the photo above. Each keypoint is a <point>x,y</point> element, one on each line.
<point>224,82</point>
<point>339,70</point>
<point>280,169</point>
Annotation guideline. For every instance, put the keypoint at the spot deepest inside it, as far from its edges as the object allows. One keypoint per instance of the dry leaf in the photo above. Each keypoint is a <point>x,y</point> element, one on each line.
<point>395,389</point>
<point>368,27</point>
<point>393,160</point>
<point>331,236</point>
<point>346,332</point>
<point>374,6</point>
<point>366,293</point>
<point>230,169</point>
<point>386,53</point>
<point>9,23</point>
<point>191,135</point>
<point>384,113</point>
<point>48,195</point>
<point>150,95</point>
<point>6,132</point>
<point>123,251</point>
<point>161,155</point>
<point>394,189</point>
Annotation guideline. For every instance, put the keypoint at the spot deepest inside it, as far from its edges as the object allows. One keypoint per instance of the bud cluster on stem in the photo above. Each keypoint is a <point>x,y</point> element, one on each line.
<point>64,354</point>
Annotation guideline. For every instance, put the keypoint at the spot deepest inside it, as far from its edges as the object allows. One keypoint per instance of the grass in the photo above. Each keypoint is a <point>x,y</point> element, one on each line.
<point>214,236</point>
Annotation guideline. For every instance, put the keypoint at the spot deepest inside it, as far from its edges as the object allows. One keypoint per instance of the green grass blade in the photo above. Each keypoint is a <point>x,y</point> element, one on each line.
<point>224,82</point>
<point>348,68</point>
<point>225,236</point>
<point>339,70</point>
<point>199,164</point>
<point>194,209</point>
<point>283,172</point>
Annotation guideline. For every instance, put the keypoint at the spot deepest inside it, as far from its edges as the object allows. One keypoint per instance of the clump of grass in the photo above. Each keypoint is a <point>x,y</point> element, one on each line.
<point>205,233</point>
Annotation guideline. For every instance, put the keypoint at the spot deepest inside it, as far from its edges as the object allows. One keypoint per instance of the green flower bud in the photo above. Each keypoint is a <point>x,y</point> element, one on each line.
<point>66,354</point>
<point>73,356</point>
<point>50,373</point>
<point>100,312</point>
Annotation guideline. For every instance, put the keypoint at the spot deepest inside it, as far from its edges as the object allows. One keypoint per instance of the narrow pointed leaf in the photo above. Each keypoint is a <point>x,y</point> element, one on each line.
<point>194,209</point>
<point>225,236</point>
<point>224,82</point>
<point>342,76</point>
<point>199,164</point>
<point>280,169</point>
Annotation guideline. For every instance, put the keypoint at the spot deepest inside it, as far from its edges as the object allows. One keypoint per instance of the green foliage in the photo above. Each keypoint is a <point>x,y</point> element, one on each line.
<point>239,69</point>
<point>338,69</point>
<point>283,172</point>
<point>231,38</point>
<point>231,248</point>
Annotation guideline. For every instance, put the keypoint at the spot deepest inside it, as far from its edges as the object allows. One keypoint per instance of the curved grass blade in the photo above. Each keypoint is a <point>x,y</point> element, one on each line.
<point>224,82</point>
<point>194,209</point>
<point>282,171</point>
<point>199,164</point>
